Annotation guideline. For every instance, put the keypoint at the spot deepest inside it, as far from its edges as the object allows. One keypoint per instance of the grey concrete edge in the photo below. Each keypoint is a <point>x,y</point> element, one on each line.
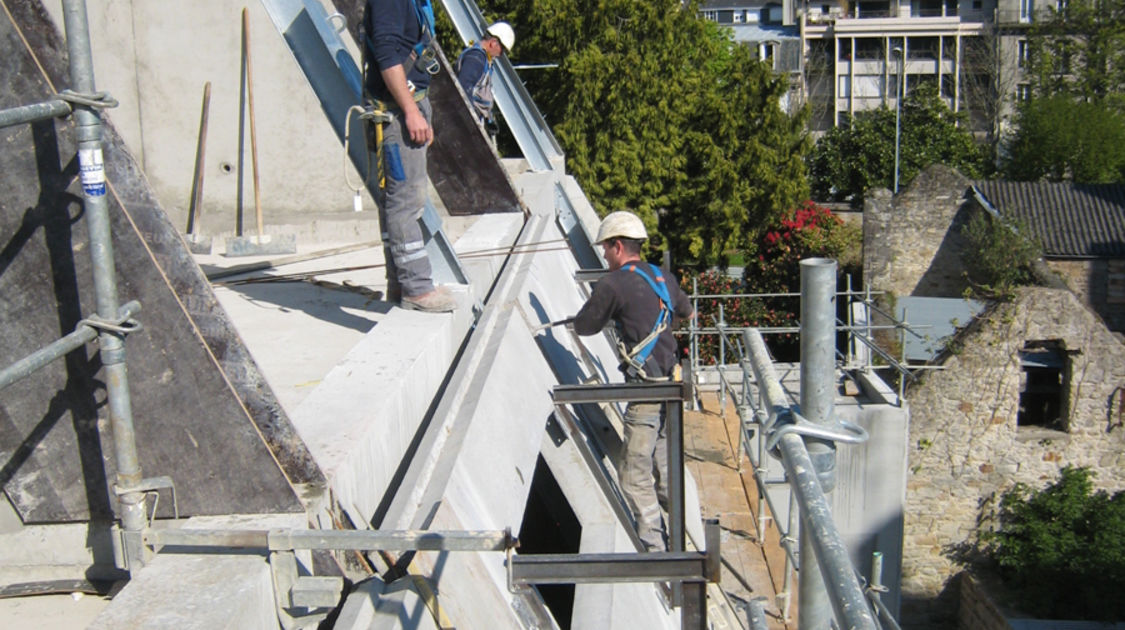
<point>428,474</point>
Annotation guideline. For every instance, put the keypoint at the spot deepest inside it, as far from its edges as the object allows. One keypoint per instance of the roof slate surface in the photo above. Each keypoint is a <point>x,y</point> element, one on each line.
<point>1072,220</point>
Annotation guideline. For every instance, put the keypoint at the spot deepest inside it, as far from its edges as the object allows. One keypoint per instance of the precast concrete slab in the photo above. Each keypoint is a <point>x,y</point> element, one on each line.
<point>361,421</point>
<point>222,588</point>
<point>375,605</point>
<point>476,463</point>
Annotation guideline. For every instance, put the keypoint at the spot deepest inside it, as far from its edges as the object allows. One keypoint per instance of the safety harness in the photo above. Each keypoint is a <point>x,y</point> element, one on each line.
<point>378,113</point>
<point>481,95</point>
<point>633,361</point>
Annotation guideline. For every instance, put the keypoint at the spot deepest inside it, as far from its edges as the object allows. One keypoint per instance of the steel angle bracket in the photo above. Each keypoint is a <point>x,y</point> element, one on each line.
<point>337,82</point>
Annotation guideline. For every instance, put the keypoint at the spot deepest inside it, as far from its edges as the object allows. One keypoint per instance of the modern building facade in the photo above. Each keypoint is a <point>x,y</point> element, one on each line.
<point>858,56</point>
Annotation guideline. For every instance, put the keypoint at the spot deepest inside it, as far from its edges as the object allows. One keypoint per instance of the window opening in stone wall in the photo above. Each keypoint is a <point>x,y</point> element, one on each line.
<point>550,526</point>
<point>1043,385</point>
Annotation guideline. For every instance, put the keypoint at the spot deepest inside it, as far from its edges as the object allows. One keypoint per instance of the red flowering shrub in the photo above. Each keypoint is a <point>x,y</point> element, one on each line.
<point>773,266</point>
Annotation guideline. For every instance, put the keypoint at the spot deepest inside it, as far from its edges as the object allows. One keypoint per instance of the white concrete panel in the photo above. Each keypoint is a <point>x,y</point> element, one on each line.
<point>871,492</point>
<point>155,61</point>
<point>358,423</point>
<point>203,590</point>
<point>480,248</point>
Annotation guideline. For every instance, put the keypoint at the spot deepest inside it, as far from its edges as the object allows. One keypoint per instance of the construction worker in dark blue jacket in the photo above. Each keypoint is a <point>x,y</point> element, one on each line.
<point>643,303</point>
<point>399,58</point>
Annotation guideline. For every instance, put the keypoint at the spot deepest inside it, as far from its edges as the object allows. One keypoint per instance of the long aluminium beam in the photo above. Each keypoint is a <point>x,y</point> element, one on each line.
<point>840,580</point>
<point>321,539</point>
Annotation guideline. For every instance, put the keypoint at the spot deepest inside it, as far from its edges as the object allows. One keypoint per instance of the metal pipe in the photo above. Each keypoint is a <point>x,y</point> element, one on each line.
<point>34,112</point>
<point>340,540</point>
<point>83,334</point>
<point>827,546</point>
<point>674,440</point>
<point>898,109</point>
<point>112,343</point>
<point>818,379</point>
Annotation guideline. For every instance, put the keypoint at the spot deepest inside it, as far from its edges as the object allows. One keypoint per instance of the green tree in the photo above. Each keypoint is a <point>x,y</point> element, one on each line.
<point>1062,548</point>
<point>1079,50</point>
<point>660,112</point>
<point>1060,138</point>
<point>847,161</point>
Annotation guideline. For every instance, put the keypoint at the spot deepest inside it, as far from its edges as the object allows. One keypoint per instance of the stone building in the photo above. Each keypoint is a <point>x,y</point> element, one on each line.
<point>1082,230</point>
<point>1027,387</point>
<point>1032,385</point>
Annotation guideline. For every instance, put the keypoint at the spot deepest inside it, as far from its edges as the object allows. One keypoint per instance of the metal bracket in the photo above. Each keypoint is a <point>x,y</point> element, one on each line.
<point>151,485</point>
<point>793,422</point>
<point>97,100</point>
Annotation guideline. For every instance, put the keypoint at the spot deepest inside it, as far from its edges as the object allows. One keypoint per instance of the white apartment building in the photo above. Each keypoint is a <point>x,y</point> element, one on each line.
<point>856,56</point>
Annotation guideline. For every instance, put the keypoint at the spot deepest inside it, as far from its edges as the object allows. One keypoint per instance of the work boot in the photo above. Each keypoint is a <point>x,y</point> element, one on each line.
<point>437,301</point>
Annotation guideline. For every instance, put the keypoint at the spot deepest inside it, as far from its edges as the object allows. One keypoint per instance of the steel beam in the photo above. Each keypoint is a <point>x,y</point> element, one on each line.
<point>595,568</point>
<point>621,392</point>
<point>342,540</point>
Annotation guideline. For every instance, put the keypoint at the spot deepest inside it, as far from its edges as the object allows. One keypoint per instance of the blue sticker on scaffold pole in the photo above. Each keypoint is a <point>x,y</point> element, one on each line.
<point>92,171</point>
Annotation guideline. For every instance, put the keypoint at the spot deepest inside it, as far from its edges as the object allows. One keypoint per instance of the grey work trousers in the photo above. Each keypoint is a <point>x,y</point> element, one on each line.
<point>643,471</point>
<point>404,200</point>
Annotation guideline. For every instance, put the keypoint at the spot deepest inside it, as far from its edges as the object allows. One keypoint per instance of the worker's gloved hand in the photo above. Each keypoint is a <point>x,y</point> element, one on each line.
<point>491,127</point>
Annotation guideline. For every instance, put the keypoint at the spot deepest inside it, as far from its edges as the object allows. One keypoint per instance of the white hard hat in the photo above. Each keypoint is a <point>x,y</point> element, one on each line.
<point>621,224</point>
<point>503,32</point>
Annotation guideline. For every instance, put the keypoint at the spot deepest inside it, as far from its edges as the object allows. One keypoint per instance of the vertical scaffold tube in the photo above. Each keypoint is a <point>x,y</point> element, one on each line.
<point>818,378</point>
<point>112,344</point>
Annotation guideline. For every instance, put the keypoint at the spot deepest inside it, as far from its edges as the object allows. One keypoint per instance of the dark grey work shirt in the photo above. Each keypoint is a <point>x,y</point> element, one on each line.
<point>625,297</point>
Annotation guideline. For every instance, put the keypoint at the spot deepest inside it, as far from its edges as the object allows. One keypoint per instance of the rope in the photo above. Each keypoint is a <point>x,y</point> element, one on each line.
<point>302,276</point>
<point>347,140</point>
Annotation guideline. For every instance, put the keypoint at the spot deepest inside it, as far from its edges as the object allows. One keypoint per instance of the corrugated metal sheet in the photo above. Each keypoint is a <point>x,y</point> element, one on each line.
<point>935,320</point>
<point>1072,220</point>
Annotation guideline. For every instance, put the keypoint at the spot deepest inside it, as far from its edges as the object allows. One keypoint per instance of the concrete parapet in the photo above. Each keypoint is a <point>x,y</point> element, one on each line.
<point>360,421</point>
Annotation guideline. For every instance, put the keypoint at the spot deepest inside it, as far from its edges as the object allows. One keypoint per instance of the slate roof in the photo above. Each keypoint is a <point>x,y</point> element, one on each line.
<point>1072,220</point>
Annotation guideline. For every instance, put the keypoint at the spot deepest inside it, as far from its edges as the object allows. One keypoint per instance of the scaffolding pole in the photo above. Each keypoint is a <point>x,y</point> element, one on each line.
<point>111,339</point>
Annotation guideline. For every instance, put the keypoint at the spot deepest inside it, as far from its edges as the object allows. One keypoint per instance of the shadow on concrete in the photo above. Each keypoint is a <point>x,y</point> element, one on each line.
<point>326,303</point>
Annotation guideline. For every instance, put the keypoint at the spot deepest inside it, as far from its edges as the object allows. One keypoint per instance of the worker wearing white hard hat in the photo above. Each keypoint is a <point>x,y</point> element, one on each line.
<point>474,69</point>
<point>643,303</point>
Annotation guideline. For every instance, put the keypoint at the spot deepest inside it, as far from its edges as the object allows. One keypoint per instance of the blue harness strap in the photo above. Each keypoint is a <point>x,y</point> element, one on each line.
<point>640,354</point>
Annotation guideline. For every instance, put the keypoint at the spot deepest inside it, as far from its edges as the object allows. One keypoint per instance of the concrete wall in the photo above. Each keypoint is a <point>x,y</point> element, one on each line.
<point>911,242</point>
<point>966,447</point>
<point>155,57</point>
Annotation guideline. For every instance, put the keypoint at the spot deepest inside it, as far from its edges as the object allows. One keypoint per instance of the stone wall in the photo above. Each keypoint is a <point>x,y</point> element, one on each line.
<point>976,610</point>
<point>1097,283</point>
<point>912,242</point>
<point>966,447</point>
